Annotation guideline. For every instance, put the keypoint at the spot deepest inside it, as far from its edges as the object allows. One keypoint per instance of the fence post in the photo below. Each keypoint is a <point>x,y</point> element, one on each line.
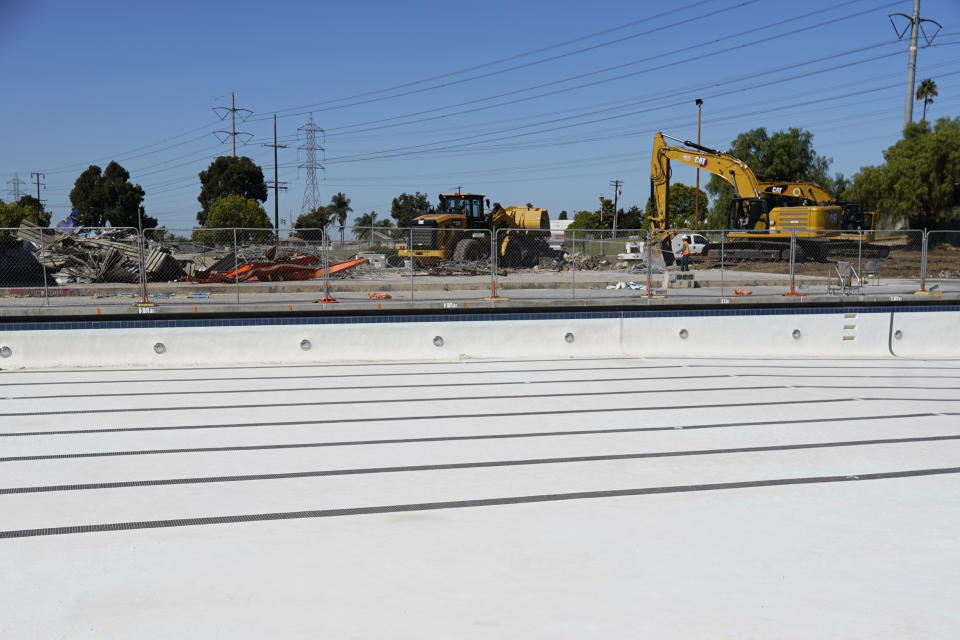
<point>410,253</point>
<point>923,263</point>
<point>43,263</point>
<point>141,245</point>
<point>573,263</point>
<point>860,257</point>
<point>236,264</point>
<point>649,244</point>
<point>492,261</point>
<point>793,259</point>
<point>325,264</point>
<point>723,238</point>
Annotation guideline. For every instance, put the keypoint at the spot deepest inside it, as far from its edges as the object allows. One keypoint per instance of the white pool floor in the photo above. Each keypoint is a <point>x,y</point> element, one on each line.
<point>610,498</point>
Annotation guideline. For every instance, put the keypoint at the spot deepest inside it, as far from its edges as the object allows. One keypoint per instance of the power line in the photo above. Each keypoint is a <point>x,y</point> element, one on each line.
<point>915,25</point>
<point>459,73</point>
<point>233,133</point>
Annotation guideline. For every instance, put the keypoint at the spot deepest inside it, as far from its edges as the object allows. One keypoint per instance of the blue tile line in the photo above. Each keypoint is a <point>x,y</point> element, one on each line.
<point>158,323</point>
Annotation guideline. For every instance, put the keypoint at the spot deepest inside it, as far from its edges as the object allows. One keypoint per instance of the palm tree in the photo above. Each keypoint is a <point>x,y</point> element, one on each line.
<point>364,225</point>
<point>341,206</point>
<point>927,91</point>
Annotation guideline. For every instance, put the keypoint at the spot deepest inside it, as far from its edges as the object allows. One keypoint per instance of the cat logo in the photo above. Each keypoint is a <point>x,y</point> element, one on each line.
<point>700,160</point>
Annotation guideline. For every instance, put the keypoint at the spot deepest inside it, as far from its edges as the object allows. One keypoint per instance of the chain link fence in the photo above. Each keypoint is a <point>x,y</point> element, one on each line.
<point>454,267</point>
<point>50,266</point>
<point>943,261</point>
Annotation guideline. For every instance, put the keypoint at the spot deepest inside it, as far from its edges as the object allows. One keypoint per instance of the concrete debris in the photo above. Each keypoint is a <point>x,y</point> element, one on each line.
<point>95,255</point>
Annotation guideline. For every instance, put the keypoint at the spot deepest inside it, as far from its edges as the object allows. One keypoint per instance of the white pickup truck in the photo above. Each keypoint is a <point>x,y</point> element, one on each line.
<point>637,250</point>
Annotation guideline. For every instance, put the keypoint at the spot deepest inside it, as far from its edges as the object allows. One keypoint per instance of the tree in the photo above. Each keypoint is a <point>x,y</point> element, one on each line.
<point>341,207</point>
<point>785,155</point>
<point>365,224</point>
<point>681,205</point>
<point>312,225</point>
<point>587,220</point>
<point>108,198</point>
<point>406,207</point>
<point>226,176</point>
<point>237,212</point>
<point>918,180</point>
<point>632,218</point>
<point>927,91</point>
<point>13,213</point>
<point>42,215</point>
<point>562,216</point>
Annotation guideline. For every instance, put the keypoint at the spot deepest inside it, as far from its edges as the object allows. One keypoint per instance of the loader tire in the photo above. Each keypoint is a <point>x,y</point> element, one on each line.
<point>468,249</point>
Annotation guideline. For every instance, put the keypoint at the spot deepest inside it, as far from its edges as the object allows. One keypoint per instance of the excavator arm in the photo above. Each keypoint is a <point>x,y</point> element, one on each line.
<point>716,162</point>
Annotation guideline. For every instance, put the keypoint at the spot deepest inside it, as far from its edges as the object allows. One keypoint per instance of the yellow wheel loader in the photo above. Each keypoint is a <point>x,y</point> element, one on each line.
<point>460,229</point>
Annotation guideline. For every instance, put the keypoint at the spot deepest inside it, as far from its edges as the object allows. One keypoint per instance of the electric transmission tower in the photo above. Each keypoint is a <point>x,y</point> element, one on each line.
<point>15,189</point>
<point>233,133</point>
<point>915,24</point>
<point>311,194</point>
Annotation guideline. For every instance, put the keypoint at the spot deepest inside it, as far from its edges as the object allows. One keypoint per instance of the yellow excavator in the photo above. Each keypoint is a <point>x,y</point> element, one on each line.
<point>760,225</point>
<point>852,218</point>
<point>460,229</point>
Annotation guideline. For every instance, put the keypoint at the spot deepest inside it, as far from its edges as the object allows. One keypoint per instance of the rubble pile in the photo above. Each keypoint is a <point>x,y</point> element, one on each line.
<point>101,255</point>
<point>591,263</point>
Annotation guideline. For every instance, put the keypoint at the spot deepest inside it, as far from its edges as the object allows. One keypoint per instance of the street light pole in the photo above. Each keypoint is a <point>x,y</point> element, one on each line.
<point>696,196</point>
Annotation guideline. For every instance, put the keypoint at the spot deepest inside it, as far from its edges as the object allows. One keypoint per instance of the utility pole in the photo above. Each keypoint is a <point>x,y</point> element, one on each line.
<point>616,198</point>
<point>36,175</point>
<point>15,189</point>
<point>915,24</point>
<point>276,184</point>
<point>311,193</point>
<point>696,197</point>
<point>233,133</point>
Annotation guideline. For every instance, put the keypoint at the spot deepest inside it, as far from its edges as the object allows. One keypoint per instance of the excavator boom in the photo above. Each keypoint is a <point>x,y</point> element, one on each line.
<point>716,162</point>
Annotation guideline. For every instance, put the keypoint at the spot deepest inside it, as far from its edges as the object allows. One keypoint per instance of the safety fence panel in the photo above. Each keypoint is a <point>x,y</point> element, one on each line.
<point>879,263</point>
<point>943,262</point>
<point>196,266</point>
<point>532,264</point>
<point>367,265</point>
<point>450,266</point>
<point>68,266</point>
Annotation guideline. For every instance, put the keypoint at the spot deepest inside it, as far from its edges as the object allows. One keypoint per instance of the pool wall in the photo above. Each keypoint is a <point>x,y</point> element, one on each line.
<point>864,332</point>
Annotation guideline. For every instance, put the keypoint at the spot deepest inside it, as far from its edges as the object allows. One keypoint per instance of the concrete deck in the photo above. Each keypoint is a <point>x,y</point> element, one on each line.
<point>610,498</point>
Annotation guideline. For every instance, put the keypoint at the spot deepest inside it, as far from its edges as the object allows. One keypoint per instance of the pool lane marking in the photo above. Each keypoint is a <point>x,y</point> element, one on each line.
<point>450,466</point>
<point>485,436</point>
<point>460,504</point>
<point>448,416</point>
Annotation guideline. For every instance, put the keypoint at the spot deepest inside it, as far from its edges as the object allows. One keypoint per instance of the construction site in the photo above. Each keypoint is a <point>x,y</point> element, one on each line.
<point>548,321</point>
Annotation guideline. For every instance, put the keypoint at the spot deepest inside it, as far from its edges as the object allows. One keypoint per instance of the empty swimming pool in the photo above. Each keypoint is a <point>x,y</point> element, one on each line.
<point>550,497</point>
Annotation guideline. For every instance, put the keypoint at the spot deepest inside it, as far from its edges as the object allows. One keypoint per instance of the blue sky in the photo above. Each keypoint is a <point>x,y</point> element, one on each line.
<point>524,101</point>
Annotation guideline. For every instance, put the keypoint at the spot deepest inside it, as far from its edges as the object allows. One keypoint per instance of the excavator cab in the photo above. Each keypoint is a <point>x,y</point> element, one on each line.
<point>853,217</point>
<point>465,204</point>
<point>749,214</point>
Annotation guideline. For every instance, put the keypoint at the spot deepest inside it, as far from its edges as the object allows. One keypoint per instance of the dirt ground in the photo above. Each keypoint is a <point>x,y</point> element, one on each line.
<point>943,261</point>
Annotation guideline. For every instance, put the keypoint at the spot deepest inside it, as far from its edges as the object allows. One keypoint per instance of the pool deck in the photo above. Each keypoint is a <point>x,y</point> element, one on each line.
<point>607,498</point>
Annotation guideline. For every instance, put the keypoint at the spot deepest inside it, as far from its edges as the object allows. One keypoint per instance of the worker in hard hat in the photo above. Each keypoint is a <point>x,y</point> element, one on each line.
<point>685,254</point>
